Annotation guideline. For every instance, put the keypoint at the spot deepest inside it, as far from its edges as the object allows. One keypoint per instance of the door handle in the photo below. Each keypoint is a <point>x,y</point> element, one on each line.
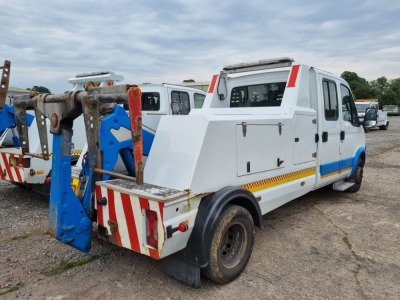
<point>324,136</point>
<point>342,135</point>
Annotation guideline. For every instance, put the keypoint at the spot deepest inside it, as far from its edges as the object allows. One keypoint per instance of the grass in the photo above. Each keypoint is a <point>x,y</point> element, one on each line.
<point>21,236</point>
<point>10,290</point>
<point>70,265</point>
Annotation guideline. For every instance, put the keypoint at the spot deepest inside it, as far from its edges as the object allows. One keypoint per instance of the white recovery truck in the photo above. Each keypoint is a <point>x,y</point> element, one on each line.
<point>30,169</point>
<point>269,132</point>
<point>376,117</point>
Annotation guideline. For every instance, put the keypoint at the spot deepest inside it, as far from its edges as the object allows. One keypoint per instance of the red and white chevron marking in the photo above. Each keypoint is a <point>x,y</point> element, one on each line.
<point>8,172</point>
<point>129,213</point>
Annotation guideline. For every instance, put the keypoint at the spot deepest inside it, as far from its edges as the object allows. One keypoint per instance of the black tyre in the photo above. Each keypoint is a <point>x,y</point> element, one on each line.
<point>356,177</point>
<point>384,127</point>
<point>231,245</point>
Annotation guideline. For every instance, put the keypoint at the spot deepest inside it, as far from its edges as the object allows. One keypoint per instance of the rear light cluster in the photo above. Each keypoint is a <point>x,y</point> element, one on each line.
<point>152,238</point>
<point>20,162</point>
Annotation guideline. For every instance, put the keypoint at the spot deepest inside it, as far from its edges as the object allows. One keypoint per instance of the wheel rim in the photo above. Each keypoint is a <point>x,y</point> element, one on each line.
<point>233,246</point>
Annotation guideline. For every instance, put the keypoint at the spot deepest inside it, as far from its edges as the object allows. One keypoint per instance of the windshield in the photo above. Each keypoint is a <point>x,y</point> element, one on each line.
<point>361,107</point>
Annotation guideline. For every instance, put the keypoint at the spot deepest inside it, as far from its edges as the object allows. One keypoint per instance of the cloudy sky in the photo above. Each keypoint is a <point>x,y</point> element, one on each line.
<point>172,40</point>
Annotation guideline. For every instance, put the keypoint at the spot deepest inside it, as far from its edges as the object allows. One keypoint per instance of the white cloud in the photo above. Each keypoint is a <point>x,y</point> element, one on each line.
<point>147,41</point>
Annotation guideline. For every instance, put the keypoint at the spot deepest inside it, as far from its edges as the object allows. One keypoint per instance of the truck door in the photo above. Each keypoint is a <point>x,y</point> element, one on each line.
<point>329,131</point>
<point>350,133</point>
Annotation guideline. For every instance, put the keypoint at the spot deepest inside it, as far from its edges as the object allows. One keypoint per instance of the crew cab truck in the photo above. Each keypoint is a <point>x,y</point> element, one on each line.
<point>269,132</point>
<point>30,170</point>
<point>376,119</point>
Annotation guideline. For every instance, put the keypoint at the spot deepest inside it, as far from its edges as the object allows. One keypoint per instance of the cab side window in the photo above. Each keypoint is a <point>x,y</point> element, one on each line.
<point>182,98</point>
<point>349,110</point>
<point>198,100</point>
<point>330,100</point>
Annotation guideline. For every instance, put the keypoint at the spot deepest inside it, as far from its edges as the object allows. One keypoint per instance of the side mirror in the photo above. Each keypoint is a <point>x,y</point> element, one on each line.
<point>370,117</point>
<point>370,114</point>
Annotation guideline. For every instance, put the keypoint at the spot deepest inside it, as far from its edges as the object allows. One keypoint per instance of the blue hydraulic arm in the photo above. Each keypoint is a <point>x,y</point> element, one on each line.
<point>71,216</point>
<point>7,120</point>
<point>111,146</point>
<point>6,117</point>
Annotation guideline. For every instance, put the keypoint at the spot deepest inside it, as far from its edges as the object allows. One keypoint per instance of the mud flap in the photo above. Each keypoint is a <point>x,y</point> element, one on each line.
<point>69,217</point>
<point>180,269</point>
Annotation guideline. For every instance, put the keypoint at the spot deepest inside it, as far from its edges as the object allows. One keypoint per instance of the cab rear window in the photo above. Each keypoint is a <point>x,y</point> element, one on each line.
<point>151,101</point>
<point>259,95</point>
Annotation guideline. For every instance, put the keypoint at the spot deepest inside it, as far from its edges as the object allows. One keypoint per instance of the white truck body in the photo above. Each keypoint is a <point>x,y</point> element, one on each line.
<point>277,131</point>
<point>269,132</point>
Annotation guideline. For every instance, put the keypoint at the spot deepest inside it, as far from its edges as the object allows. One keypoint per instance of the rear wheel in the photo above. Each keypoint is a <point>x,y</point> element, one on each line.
<point>231,245</point>
<point>384,127</point>
<point>356,177</point>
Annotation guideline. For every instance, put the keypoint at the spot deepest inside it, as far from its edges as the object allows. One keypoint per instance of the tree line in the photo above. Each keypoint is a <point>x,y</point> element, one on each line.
<point>387,91</point>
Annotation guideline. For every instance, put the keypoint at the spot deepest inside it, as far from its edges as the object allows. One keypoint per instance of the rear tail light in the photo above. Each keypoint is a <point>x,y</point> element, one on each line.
<point>20,162</point>
<point>151,219</point>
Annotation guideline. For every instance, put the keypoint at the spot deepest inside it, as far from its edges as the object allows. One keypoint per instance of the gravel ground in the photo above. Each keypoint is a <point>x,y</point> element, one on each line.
<point>325,245</point>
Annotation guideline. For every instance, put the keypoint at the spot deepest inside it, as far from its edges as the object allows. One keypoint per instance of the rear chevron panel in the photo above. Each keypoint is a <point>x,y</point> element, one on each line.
<point>15,174</point>
<point>128,213</point>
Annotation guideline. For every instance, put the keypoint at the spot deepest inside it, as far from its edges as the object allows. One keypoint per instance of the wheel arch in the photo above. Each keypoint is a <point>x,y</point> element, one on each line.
<point>210,208</point>
<point>360,153</point>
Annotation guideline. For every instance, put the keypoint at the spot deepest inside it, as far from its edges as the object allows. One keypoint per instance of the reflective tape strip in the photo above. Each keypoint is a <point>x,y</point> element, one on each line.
<point>73,153</point>
<point>127,212</point>
<point>293,76</point>
<point>113,217</point>
<point>16,171</point>
<point>76,152</point>
<point>8,172</point>
<point>130,219</point>
<point>336,172</point>
<point>212,84</point>
<point>277,180</point>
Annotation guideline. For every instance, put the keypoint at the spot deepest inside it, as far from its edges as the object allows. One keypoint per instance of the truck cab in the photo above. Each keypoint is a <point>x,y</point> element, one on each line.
<point>362,106</point>
<point>376,117</point>
<point>167,99</point>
